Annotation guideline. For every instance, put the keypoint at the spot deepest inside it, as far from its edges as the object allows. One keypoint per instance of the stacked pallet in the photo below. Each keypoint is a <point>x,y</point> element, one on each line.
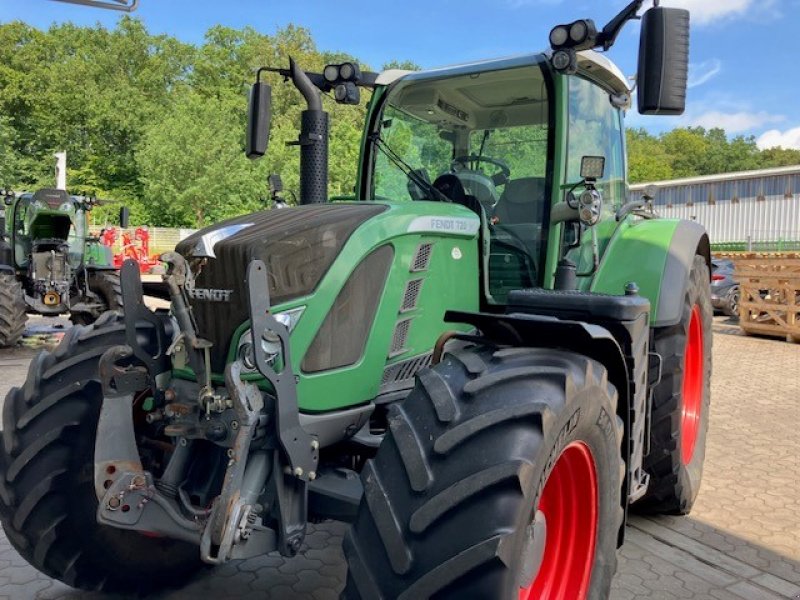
<point>770,294</point>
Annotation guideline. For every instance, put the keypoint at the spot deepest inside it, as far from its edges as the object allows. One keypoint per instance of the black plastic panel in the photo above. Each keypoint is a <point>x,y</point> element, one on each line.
<point>341,340</point>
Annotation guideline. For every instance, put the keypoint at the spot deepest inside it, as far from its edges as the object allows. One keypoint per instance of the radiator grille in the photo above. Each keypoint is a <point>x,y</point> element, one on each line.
<point>399,338</point>
<point>411,295</point>
<point>406,369</point>
<point>422,258</point>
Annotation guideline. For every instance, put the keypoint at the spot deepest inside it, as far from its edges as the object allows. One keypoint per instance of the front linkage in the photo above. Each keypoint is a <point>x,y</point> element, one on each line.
<point>271,458</point>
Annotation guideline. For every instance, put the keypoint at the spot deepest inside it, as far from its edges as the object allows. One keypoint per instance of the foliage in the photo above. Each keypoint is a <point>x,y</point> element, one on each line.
<point>159,124</point>
<point>694,151</point>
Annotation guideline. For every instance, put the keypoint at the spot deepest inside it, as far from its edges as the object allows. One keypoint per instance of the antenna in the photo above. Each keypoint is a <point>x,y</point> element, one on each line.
<point>120,5</point>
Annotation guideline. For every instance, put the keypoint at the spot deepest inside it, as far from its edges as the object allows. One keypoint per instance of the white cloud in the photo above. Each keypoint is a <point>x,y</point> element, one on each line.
<point>708,11</point>
<point>700,73</point>
<point>733,122</point>
<point>789,139</point>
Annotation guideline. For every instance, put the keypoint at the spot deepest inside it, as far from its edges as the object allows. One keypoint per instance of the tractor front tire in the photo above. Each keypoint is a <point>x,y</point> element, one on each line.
<point>500,477</point>
<point>681,403</point>
<point>13,310</point>
<point>47,497</point>
<point>106,286</point>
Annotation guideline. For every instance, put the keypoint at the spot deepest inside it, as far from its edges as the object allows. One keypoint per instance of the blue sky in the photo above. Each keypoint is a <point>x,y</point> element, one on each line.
<point>745,62</point>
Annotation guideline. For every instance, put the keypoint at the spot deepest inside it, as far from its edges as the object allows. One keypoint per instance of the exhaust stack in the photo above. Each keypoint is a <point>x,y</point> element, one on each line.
<point>313,140</point>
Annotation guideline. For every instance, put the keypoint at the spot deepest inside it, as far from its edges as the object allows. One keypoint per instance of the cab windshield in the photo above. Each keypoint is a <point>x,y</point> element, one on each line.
<point>480,140</point>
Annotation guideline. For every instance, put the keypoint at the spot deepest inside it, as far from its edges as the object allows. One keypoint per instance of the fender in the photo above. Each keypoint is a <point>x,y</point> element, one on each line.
<point>657,255</point>
<point>6,255</point>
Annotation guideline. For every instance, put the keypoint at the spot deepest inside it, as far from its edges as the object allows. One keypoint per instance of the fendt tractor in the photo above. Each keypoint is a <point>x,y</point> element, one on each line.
<point>480,362</point>
<point>49,264</point>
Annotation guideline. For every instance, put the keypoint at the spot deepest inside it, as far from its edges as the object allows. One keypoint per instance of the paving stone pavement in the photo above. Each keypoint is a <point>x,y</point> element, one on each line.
<point>742,541</point>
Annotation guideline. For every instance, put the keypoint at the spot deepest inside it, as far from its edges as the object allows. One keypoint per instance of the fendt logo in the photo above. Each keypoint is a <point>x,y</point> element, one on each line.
<point>209,295</point>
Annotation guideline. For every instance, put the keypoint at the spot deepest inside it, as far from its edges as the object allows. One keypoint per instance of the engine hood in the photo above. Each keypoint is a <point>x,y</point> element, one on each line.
<point>298,245</point>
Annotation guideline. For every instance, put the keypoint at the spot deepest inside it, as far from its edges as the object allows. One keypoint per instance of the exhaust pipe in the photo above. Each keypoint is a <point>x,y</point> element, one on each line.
<point>313,140</point>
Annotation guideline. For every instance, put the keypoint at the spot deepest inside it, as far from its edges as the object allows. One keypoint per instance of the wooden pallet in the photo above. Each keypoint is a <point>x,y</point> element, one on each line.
<point>770,293</point>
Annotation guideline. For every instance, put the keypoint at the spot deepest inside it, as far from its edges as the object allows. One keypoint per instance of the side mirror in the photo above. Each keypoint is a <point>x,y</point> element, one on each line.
<point>663,61</point>
<point>650,192</point>
<point>124,217</point>
<point>9,199</point>
<point>259,114</point>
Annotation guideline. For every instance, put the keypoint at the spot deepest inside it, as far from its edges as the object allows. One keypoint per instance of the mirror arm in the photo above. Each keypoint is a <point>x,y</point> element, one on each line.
<point>608,37</point>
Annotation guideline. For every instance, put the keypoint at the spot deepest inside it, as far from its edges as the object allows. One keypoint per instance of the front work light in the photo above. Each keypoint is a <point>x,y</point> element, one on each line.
<point>580,35</point>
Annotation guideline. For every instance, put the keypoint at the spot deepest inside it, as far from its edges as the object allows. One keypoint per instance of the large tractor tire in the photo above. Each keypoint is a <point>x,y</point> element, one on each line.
<point>106,286</point>
<point>47,496</point>
<point>13,309</point>
<point>499,477</point>
<point>681,403</point>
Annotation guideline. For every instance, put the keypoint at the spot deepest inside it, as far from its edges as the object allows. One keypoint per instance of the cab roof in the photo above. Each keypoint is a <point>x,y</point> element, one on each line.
<point>590,63</point>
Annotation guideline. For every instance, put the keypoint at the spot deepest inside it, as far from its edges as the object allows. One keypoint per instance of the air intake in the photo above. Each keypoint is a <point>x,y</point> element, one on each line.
<point>406,369</point>
<point>422,258</point>
<point>411,295</point>
<point>400,337</point>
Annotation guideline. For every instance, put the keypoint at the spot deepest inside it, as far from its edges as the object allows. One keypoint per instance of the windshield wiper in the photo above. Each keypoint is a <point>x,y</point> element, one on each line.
<point>413,175</point>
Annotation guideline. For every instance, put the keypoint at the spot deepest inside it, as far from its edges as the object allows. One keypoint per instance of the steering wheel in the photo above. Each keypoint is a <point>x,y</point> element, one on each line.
<point>472,162</point>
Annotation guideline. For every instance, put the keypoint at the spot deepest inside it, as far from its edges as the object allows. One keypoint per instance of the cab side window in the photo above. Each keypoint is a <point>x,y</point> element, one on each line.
<point>595,129</point>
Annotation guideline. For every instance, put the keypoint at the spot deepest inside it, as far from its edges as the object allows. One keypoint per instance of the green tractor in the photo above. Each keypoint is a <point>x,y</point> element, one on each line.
<point>49,264</point>
<point>480,362</point>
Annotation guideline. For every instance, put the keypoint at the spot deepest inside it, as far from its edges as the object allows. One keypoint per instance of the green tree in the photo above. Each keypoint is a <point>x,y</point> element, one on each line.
<point>192,166</point>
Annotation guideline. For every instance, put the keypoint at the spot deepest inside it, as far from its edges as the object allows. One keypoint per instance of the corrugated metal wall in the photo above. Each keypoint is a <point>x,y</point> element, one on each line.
<point>774,219</point>
<point>751,208</point>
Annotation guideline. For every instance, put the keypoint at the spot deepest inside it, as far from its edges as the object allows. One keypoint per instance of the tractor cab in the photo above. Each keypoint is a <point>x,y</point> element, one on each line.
<point>45,221</point>
<point>502,138</point>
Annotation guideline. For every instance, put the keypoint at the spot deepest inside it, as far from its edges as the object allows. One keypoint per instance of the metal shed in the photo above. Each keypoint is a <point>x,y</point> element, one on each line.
<point>749,210</point>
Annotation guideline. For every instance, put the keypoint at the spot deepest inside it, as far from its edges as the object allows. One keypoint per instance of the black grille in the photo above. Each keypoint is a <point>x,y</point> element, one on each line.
<point>399,338</point>
<point>405,369</point>
<point>422,258</point>
<point>411,295</point>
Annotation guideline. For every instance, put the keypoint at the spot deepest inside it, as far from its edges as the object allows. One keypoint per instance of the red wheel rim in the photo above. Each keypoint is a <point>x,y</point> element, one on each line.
<point>693,381</point>
<point>569,503</point>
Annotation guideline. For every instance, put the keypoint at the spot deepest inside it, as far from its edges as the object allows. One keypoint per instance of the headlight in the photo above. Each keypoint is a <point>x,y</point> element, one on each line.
<point>270,342</point>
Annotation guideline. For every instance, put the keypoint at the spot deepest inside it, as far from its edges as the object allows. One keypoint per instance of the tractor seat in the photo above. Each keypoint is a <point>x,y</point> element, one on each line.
<point>522,201</point>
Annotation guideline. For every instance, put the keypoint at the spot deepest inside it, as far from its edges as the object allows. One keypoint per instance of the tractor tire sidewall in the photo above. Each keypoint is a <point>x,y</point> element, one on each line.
<point>579,408</point>
<point>106,285</point>
<point>47,498</point>
<point>13,310</point>
<point>595,428</point>
<point>674,485</point>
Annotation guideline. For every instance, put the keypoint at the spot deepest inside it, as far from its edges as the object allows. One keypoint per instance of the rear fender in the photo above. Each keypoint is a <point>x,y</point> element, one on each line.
<point>657,255</point>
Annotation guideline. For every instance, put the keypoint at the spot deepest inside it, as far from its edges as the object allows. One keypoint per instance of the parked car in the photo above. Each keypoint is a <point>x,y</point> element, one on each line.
<point>725,292</point>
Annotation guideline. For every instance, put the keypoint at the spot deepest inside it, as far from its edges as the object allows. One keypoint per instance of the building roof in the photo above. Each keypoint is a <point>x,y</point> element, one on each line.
<point>791,170</point>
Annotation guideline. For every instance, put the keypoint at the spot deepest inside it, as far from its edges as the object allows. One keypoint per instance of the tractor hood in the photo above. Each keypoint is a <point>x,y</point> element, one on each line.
<point>298,246</point>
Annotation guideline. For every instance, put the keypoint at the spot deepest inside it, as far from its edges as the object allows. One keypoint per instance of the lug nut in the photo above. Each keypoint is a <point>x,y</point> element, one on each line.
<point>312,475</point>
<point>298,472</point>
<point>314,445</point>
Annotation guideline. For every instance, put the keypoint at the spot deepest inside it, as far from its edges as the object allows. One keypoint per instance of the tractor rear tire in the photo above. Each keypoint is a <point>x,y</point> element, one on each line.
<point>681,403</point>
<point>488,446</point>
<point>47,498</point>
<point>13,310</point>
<point>106,285</point>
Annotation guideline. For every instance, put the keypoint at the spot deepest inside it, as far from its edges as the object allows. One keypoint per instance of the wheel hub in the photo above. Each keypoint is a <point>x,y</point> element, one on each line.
<point>693,382</point>
<point>569,509</point>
